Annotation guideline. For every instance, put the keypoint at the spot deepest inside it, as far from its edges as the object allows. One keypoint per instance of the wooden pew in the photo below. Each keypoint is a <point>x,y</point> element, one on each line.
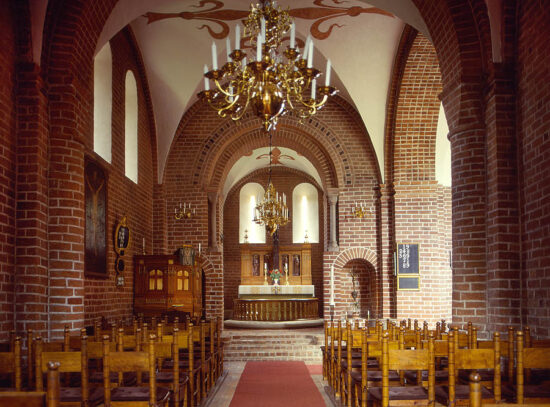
<point>10,363</point>
<point>49,398</point>
<point>123,396</point>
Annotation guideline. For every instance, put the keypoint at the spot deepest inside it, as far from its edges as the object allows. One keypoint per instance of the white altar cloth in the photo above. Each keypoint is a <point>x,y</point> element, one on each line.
<point>303,290</point>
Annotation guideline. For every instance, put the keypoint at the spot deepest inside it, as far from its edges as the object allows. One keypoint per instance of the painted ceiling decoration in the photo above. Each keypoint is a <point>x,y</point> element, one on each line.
<point>276,157</point>
<point>217,15</point>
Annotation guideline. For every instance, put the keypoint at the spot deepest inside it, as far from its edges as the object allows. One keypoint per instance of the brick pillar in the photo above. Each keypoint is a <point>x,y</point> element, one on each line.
<point>332,200</point>
<point>160,217</point>
<point>66,208</point>
<point>467,136</point>
<point>503,238</point>
<point>213,221</point>
<point>31,261</point>
<point>386,303</point>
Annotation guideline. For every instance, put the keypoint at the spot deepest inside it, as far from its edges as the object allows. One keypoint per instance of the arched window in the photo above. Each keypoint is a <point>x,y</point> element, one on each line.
<point>305,214</point>
<point>103,101</point>
<point>248,199</point>
<point>182,280</point>
<point>131,127</point>
<point>155,280</point>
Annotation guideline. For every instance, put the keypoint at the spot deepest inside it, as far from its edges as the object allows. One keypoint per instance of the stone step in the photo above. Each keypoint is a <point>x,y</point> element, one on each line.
<point>288,344</point>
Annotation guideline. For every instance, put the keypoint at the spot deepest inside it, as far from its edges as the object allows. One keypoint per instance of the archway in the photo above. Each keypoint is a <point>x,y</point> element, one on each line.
<point>358,278</point>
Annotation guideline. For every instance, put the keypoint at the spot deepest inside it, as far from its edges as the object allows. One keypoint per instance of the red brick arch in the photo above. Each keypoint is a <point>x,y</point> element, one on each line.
<point>314,139</point>
<point>346,256</point>
<point>212,279</point>
<point>353,253</point>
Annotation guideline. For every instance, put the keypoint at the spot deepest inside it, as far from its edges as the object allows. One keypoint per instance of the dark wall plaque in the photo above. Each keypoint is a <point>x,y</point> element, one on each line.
<point>408,283</point>
<point>95,242</point>
<point>407,258</point>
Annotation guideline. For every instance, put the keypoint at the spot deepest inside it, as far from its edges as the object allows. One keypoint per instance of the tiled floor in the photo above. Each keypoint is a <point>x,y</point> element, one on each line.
<point>224,393</point>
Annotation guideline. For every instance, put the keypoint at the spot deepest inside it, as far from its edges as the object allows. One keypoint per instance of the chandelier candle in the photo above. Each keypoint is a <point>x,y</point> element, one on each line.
<point>327,78</point>
<point>206,81</point>
<point>214,57</point>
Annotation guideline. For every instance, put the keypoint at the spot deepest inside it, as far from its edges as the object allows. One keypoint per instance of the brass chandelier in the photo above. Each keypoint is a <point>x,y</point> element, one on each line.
<point>271,84</point>
<point>272,211</point>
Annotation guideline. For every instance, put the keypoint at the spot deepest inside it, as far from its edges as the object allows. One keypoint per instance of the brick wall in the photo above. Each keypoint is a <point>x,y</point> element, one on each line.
<point>534,147</point>
<point>420,204</point>
<point>102,297</point>
<point>7,169</point>
<point>284,180</point>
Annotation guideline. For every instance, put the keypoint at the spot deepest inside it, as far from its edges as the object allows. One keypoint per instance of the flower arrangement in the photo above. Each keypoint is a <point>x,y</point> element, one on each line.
<point>275,274</point>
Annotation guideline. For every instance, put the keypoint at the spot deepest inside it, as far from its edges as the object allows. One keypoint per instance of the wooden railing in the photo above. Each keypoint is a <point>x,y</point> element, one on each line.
<point>275,309</point>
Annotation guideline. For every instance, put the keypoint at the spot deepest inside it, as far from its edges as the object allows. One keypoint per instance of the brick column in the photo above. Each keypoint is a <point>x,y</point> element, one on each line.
<point>213,221</point>
<point>31,260</point>
<point>386,305</point>
<point>332,195</point>
<point>66,208</point>
<point>160,220</point>
<point>469,203</point>
<point>503,237</point>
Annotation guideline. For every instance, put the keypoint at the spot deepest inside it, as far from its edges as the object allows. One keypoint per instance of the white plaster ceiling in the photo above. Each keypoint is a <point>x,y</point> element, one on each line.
<point>259,158</point>
<point>361,48</point>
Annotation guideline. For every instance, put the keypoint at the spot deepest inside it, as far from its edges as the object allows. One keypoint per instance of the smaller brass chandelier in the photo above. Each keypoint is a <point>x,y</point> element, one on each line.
<point>272,211</point>
<point>271,84</point>
<point>360,210</point>
<point>184,211</point>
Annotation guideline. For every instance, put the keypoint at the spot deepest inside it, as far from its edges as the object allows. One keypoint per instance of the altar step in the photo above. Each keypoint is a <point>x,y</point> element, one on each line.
<point>279,344</point>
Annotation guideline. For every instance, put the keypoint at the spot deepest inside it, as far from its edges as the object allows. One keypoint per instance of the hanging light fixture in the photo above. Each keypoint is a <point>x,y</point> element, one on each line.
<point>271,84</point>
<point>272,210</point>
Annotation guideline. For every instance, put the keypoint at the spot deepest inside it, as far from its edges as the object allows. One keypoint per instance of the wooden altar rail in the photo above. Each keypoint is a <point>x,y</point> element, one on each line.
<point>275,309</point>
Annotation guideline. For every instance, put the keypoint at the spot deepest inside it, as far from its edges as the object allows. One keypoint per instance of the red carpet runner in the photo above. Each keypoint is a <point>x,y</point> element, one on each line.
<point>276,384</point>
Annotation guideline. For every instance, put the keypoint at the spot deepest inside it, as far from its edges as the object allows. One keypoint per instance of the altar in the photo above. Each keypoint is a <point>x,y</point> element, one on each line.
<point>280,291</point>
<point>260,299</point>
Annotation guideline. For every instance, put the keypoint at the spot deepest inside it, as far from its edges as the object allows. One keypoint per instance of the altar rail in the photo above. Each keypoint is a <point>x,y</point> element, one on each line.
<point>275,309</point>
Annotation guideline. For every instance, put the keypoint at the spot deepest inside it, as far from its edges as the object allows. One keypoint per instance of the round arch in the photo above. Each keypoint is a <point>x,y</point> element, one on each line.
<point>342,281</point>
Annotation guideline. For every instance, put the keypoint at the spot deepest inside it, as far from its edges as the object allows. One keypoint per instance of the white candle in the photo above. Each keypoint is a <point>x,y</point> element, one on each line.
<point>306,47</point>
<point>313,88</point>
<point>310,55</point>
<point>259,48</point>
<point>206,81</point>
<point>327,77</point>
<point>228,46</point>
<point>214,57</point>
<point>238,37</point>
<point>292,34</point>
<point>262,24</point>
<point>199,248</point>
<point>231,93</point>
<point>143,244</point>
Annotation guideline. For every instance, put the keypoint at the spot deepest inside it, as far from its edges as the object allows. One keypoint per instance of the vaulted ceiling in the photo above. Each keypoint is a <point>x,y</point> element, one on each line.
<point>175,37</point>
